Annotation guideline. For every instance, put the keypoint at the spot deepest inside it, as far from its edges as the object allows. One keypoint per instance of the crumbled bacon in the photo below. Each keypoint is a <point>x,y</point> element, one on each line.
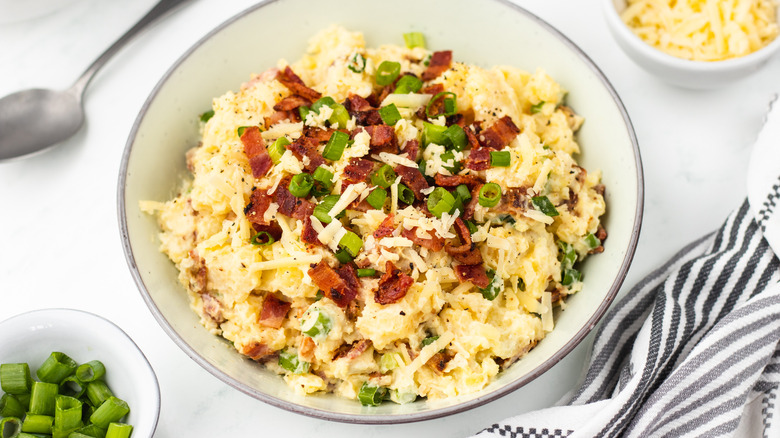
<point>468,212</point>
<point>473,273</point>
<point>515,201</point>
<point>309,234</point>
<point>319,134</point>
<point>386,228</point>
<point>456,180</point>
<point>471,137</point>
<point>412,149</point>
<point>258,204</point>
<point>439,63</point>
<point>274,311</point>
<point>212,307</point>
<point>468,251</point>
<point>432,242</point>
<point>352,351</point>
<point>383,139</point>
<point>356,103</point>
<point>413,179</point>
<point>254,148</point>
<point>280,116</point>
<point>601,234</point>
<point>198,273</point>
<point>289,205</point>
<point>479,159</point>
<point>440,360</point>
<point>291,102</point>
<point>307,147</point>
<point>392,286</point>
<point>433,89</point>
<point>306,350</point>
<point>295,84</point>
<point>257,351</point>
<point>342,290</point>
<point>358,170</point>
<point>273,229</point>
<point>362,111</point>
<point>499,134</point>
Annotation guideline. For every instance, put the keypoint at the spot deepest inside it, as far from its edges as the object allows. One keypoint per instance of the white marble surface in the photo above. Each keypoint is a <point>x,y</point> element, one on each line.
<point>59,240</point>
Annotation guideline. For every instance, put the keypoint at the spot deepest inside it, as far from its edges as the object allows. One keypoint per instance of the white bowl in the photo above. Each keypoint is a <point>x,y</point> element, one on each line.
<point>31,337</point>
<point>682,72</point>
<point>498,33</point>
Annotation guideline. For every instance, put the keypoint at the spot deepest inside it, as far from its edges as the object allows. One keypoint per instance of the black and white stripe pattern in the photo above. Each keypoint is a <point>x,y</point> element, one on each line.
<point>685,350</point>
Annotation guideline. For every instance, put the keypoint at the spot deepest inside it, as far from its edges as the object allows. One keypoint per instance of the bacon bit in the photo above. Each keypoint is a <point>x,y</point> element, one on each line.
<point>280,116</point>
<point>198,273</point>
<point>274,311</point>
<point>361,109</point>
<point>601,234</point>
<point>413,179</point>
<point>439,63</point>
<point>383,93</point>
<point>291,102</point>
<point>357,171</point>
<point>382,139</point>
<point>257,351</point>
<point>307,147</point>
<point>212,307</point>
<point>318,134</point>
<point>254,148</point>
<point>258,204</point>
<point>599,188</point>
<point>393,285</point>
<point>479,159</point>
<point>386,228</point>
<point>306,350</point>
<point>273,229</point>
<point>309,234</point>
<point>433,89</point>
<point>295,84</point>
<point>456,180</point>
<point>468,252</point>
<point>440,360</point>
<point>353,350</point>
<point>432,242</point>
<point>468,211</point>
<point>473,273</point>
<point>514,201</point>
<point>471,137</point>
<point>412,149</point>
<point>289,205</point>
<point>342,290</point>
<point>499,134</point>
<point>356,103</point>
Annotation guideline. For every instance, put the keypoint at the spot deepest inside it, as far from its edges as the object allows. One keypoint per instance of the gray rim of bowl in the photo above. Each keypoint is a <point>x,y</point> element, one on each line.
<point>111,323</point>
<point>383,419</point>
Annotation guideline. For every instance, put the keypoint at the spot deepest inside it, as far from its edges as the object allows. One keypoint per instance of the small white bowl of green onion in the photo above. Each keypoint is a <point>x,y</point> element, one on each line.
<point>72,374</point>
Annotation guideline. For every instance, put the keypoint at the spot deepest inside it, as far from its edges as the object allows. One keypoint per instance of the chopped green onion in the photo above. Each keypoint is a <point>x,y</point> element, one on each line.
<point>262,238</point>
<point>506,219</point>
<point>387,72</point>
<point>390,114</point>
<point>428,341</point>
<point>592,241</point>
<point>357,63</point>
<point>366,272</point>
<point>319,295</point>
<point>434,134</point>
<point>343,256</point>
<point>414,39</point>
<point>494,288</point>
<point>352,243</point>
<point>371,395</point>
<point>205,117</point>
<point>537,108</point>
<point>324,177</point>
<point>407,84</point>
<point>323,208</point>
<point>90,371</point>
<point>449,103</point>
<point>277,149</point>
<point>300,185</point>
<point>571,276</point>
<point>427,60</point>
<point>292,363</point>
<point>390,361</point>
<point>56,367</point>
<point>42,400</point>
<point>440,201</point>
<point>98,392</point>
<point>489,195</point>
<point>241,129</point>
<point>15,378</point>
<point>74,434</point>
<point>377,198</point>
<point>24,399</point>
<point>457,137</point>
<point>10,406</point>
<point>458,205</point>
<point>35,423</point>
<point>568,255</point>
<point>67,414</point>
<point>111,411</point>
<point>119,430</point>
<point>90,430</point>
<point>321,102</point>
<point>316,323</point>
<point>335,146</point>
<point>340,116</point>
<point>303,111</point>
<point>471,226</point>
<point>463,192</point>
<point>500,158</point>
<point>71,386</point>
<point>544,205</point>
<point>383,177</point>
<point>405,194</point>
<point>10,427</point>
<point>456,165</point>
<point>402,397</point>
<point>521,284</point>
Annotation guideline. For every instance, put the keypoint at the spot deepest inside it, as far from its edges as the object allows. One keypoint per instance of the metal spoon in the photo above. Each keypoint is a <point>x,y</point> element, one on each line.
<point>32,121</point>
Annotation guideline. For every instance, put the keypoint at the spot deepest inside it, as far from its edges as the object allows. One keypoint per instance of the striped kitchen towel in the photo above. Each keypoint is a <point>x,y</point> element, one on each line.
<point>693,350</point>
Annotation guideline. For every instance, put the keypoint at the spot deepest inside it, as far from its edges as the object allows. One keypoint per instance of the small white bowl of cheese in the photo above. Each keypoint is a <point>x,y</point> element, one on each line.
<point>693,43</point>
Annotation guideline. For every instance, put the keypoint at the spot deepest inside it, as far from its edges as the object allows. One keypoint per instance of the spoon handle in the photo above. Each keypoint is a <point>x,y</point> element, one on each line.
<point>160,9</point>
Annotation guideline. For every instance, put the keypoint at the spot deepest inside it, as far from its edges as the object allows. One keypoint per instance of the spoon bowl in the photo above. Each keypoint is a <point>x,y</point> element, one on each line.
<point>34,120</point>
